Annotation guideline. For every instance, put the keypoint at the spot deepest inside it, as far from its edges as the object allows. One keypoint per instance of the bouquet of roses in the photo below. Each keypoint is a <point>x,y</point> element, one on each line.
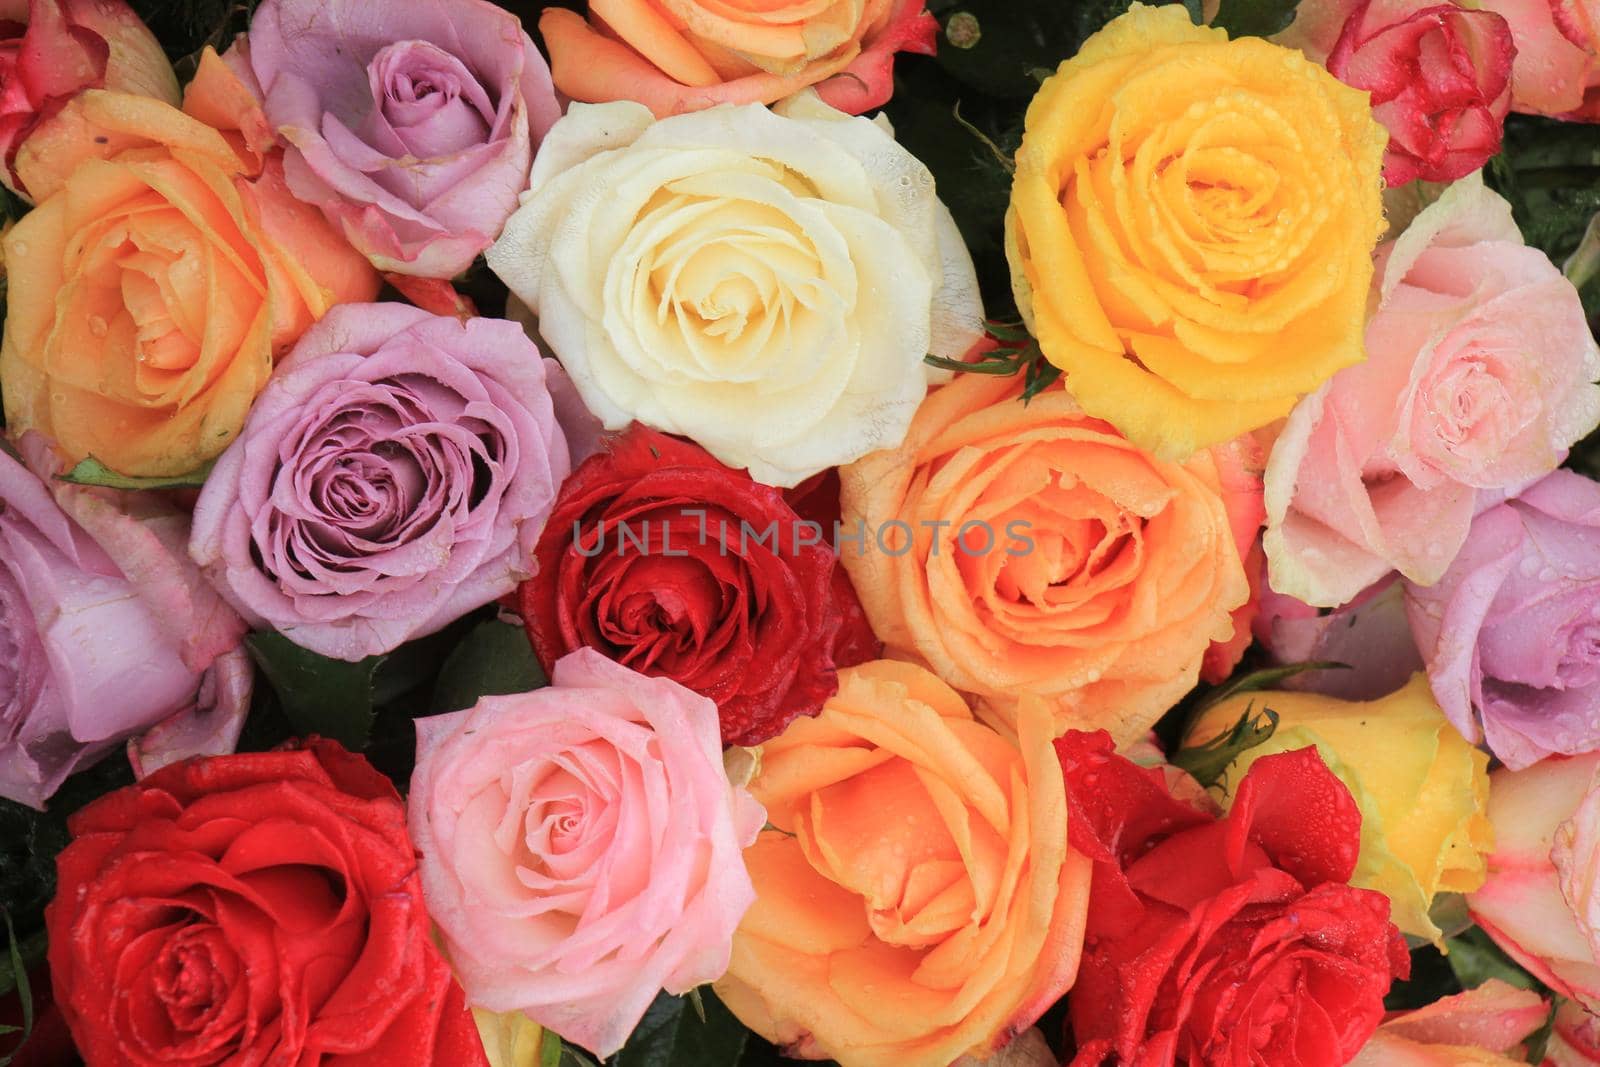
<point>895,532</point>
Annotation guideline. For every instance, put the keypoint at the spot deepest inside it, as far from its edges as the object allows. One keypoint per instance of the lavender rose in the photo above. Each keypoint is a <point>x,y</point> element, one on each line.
<point>106,631</point>
<point>1512,630</point>
<point>394,474</point>
<point>411,125</point>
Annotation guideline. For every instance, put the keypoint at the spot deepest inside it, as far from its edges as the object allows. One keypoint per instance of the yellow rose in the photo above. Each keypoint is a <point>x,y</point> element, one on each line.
<point>510,1039</point>
<point>1191,227</point>
<point>164,270</point>
<point>1423,790</point>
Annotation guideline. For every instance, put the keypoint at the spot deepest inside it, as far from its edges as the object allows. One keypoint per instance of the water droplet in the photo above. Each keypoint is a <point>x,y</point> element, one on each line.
<point>1528,566</point>
<point>1548,574</point>
<point>98,326</point>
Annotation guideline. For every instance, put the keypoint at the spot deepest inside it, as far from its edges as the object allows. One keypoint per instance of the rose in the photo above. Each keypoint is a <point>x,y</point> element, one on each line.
<point>765,283</point>
<point>412,126</point>
<point>661,558</point>
<point>1370,635</point>
<point>1187,258</point>
<point>1541,903</point>
<point>106,630</point>
<point>685,55</point>
<point>1557,69</point>
<point>1420,786</point>
<point>394,475</point>
<point>915,899</point>
<point>1467,1029</point>
<point>1444,120</point>
<point>1028,548</point>
<point>1511,634</point>
<point>1575,1039</point>
<point>51,49</point>
<point>161,282</point>
<point>1478,377</point>
<point>510,1039</point>
<point>252,909</point>
<point>580,846</point>
<point>1439,75</point>
<point>1211,941</point>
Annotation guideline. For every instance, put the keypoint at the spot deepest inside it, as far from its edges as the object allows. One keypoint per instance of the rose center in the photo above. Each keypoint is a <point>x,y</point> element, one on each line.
<point>432,103</point>
<point>193,976</point>
<point>1580,661</point>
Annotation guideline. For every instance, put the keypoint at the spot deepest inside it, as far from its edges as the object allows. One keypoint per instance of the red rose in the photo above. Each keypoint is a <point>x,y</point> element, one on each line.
<point>252,909</point>
<point>1440,79</point>
<point>1215,942</point>
<point>664,560</point>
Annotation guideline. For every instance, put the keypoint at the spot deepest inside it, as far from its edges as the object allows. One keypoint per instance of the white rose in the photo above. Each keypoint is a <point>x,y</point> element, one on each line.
<point>766,283</point>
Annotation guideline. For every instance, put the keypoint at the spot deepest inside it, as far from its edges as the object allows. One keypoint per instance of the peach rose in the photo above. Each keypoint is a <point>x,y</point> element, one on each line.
<point>167,267</point>
<point>916,899</point>
<point>1483,1027</point>
<point>1541,902</point>
<point>1575,1039</point>
<point>1029,548</point>
<point>686,55</point>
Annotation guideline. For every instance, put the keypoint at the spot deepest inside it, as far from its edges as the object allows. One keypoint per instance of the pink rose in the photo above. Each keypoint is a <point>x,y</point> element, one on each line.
<point>1478,377</point>
<point>394,474</point>
<point>1370,635</point>
<point>581,847</point>
<point>106,630</point>
<point>1541,902</point>
<point>51,49</point>
<point>1483,1026</point>
<point>1575,1039</point>
<point>1511,633</point>
<point>1557,69</point>
<point>411,125</point>
<point>1440,79</point>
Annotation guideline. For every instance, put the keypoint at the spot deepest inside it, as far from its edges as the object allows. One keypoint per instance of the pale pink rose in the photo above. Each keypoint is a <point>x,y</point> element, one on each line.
<point>1575,1039</point>
<point>1541,902</point>
<point>1486,1026</point>
<point>106,630</point>
<point>411,125</point>
<point>1478,377</point>
<point>1557,70</point>
<point>581,847</point>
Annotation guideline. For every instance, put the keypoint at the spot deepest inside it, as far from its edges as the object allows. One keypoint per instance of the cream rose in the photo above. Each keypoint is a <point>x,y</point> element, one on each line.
<point>764,282</point>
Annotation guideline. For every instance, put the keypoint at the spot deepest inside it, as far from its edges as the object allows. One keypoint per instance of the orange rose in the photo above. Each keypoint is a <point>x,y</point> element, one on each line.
<point>685,55</point>
<point>1046,555</point>
<point>917,899</point>
<point>167,267</point>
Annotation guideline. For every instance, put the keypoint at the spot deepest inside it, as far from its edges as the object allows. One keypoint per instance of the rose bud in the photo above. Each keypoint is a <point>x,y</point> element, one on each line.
<point>1483,1027</point>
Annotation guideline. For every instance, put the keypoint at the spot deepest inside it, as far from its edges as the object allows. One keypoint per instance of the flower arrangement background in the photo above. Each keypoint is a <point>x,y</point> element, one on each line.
<point>338,723</point>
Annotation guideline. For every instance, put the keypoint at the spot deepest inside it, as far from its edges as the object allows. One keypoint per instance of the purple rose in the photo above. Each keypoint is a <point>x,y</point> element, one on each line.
<point>107,630</point>
<point>1512,630</point>
<point>411,125</point>
<point>393,475</point>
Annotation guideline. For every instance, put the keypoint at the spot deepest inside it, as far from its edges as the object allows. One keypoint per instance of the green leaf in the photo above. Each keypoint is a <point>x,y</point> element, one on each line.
<point>1197,11</point>
<point>19,982</point>
<point>493,659</point>
<point>1254,18</point>
<point>92,472</point>
<point>1266,678</point>
<point>1475,959</point>
<point>1207,762</point>
<point>323,696</point>
<point>672,1035</point>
